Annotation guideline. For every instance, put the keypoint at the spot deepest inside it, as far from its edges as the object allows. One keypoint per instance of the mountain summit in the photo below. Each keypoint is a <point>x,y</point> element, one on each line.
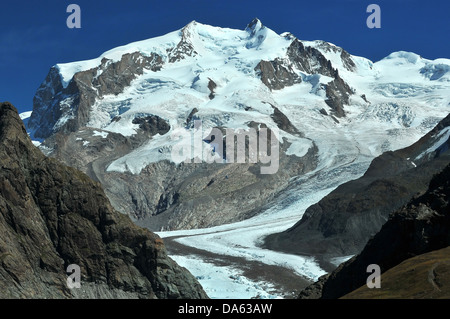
<point>66,99</point>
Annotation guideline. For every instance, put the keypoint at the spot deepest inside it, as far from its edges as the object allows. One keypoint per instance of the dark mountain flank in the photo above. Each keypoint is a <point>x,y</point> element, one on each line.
<point>52,216</point>
<point>412,250</point>
<point>343,221</point>
<point>424,276</point>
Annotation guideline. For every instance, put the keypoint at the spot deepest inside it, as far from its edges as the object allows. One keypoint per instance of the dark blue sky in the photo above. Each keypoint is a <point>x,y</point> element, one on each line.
<point>34,35</point>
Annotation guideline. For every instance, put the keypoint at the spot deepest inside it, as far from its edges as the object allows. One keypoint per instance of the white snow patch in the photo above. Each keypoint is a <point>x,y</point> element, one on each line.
<point>101,134</point>
<point>442,137</point>
<point>339,260</point>
<point>225,282</point>
<point>299,148</point>
<point>25,115</point>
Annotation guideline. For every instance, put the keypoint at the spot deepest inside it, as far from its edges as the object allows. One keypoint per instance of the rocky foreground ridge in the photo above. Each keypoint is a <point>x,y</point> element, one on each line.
<point>52,216</point>
<point>412,250</point>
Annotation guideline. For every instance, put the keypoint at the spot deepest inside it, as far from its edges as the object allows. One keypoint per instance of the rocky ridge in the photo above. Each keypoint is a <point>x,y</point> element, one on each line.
<point>66,109</point>
<point>280,73</point>
<point>52,216</point>
<point>411,250</point>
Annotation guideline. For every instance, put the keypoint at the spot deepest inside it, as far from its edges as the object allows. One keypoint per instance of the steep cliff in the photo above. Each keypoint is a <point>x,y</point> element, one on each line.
<point>52,216</point>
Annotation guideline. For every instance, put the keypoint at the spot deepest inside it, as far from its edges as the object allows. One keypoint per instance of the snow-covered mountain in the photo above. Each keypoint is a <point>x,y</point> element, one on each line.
<point>120,113</point>
<point>119,117</point>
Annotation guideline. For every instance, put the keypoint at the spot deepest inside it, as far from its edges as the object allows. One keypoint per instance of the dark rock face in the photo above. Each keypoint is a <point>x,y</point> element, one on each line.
<point>275,75</point>
<point>191,118</point>
<point>65,109</point>
<point>252,26</point>
<point>152,124</point>
<point>338,93</point>
<point>164,194</point>
<point>52,216</point>
<point>309,59</point>
<point>211,86</point>
<point>346,58</point>
<point>56,108</point>
<point>283,123</point>
<point>184,47</point>
<point>312,61</point>
<point>342,222</point>
<point>280,73</point>
<point>420,227</point>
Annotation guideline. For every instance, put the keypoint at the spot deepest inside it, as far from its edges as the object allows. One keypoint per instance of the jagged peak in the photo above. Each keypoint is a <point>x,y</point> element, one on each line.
<point>11,126</point>
<point>254,26</point>
<point>289,36</point>
<point>190,25</point>
<point>187,30</point>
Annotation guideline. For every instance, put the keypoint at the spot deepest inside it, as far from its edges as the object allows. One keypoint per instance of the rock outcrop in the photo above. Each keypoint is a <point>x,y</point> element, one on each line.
<point>52,216</point>
<point>59,108</point>
<point>280,73</point>
<point>275,75</point>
